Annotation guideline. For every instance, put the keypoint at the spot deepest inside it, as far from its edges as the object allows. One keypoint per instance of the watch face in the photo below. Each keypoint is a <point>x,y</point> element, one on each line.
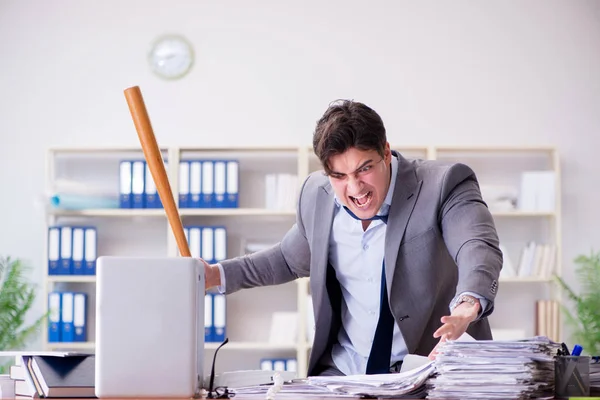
<point>171,57</point>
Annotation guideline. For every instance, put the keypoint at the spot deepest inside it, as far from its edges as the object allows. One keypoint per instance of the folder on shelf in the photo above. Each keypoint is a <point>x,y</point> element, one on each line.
<point>208,247</point>
<point>78,251</point>
<point>53,250</point>
<point>208,178</point>
<point>220,243</point>
<point>232,197</point>
<point>195,198</point>
<point>137,184</point>
<point>184,184</point>
<point>151,197</point>
<point>68,331</point>
<point>54,317</point>
<point>66,250</point>
<point>208,317</point>
<point>219,317</point>
<point>125,172</point>
<point>220,183</point>
<point>90,252</point>
<point>195,241</point>
<point>79,317</point>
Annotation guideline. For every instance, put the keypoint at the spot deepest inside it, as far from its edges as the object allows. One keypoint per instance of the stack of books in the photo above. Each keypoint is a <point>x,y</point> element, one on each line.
<point>53,375</point>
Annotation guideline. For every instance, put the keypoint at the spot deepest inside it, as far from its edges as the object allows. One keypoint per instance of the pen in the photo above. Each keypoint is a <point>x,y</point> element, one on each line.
<point>576,350</point>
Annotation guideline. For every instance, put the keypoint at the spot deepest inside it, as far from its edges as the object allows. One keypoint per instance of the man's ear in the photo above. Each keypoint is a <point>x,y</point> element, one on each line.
<point>387,153</point>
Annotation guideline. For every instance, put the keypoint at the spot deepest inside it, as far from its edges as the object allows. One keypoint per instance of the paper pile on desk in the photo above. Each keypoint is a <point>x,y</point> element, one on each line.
<point>409,384</point>
<point>488,369</point>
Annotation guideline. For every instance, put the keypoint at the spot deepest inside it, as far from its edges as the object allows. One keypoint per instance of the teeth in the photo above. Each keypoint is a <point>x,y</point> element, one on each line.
<point>361,196</point>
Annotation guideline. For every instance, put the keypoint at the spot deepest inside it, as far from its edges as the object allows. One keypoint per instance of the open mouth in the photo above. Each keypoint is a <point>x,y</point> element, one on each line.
<point>363,200</point>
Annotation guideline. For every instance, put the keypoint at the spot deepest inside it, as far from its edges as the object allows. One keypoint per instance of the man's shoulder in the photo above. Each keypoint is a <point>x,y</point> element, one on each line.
<point>315,180</point>
<point>439,170</point>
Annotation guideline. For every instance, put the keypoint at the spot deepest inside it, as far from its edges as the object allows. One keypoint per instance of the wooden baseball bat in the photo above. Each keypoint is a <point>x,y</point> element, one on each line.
<point>155,164</point>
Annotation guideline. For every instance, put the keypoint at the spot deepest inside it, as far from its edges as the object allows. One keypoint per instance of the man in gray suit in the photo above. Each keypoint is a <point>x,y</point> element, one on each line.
<point>401,254</point>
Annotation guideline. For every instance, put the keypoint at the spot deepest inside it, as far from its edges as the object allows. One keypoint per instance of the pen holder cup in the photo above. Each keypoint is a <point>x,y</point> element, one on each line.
<point>572,376</point>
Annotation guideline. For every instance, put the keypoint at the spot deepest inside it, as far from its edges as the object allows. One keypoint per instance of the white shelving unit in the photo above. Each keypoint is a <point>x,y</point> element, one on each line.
<point>146,232</point>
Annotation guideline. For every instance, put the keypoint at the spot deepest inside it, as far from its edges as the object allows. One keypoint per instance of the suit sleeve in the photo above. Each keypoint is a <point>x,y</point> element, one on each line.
<point>281,263</point>
<point>470,234</point>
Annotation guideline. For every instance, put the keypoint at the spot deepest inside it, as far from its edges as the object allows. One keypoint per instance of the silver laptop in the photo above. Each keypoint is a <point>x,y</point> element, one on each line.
<point>149,327</point>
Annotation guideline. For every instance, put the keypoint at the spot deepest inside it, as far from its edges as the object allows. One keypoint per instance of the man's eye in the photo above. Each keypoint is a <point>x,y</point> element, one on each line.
<point>365,168</point>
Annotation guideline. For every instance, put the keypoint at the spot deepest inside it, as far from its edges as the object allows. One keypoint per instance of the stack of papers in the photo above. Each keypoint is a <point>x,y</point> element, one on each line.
<point>492,369</point>
<point>409,384</point>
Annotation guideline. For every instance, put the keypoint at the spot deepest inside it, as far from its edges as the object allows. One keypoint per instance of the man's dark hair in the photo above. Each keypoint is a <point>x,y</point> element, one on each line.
<point>347,124</point>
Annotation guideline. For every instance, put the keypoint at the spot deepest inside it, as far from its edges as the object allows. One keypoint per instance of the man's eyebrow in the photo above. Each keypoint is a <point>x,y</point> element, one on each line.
<point>359,167</point>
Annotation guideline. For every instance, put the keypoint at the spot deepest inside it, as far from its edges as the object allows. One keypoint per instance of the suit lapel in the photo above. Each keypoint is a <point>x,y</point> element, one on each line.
<point>320,246</point>
<point>404,198</point>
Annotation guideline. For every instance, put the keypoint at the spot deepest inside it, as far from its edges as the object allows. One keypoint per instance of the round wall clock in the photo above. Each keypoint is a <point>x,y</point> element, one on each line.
<point>171,56</point>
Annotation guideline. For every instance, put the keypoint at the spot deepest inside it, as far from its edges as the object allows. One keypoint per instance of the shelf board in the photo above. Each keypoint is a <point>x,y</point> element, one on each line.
<point>111,212</point>
<point>525,279</point>
<point>235,212</point>
<point>250,346</point>
<point>71,278</point>
<point>154,212</point>
<point>522,214</point>
<point>71,345</point>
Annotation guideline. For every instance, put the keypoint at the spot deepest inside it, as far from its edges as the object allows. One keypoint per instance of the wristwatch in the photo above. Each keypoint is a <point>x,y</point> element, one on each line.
<point>465,299</point>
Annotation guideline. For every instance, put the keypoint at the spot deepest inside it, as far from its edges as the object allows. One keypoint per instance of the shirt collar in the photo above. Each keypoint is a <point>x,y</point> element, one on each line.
<point>387,202</point>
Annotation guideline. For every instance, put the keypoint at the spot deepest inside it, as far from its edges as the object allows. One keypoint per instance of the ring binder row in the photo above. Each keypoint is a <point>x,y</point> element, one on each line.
<point>208,183</point>
<point>202,184</point>
<point>72,250</point>
<point>279,364</point>
<point>136,185</point>
<point>207,242</point>
<point>68,315</point>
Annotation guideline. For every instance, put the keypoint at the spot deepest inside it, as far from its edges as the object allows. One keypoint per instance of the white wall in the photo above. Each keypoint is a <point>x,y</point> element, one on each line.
<point>495,72</point>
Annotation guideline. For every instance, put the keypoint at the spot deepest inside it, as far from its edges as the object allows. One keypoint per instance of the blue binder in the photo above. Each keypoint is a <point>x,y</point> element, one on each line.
<point>77,267</point>
<point>195,199</point>
<point>232,191</point>
<point>79,317</point>
<point>91,249</point>
<point>138,173</point>
<point>208,184</point>
<point>219,317</point>
<point>53,250</point>
<point>68,330</point>
<point>125,173</point>
<point>66,250</point>
<point>184,184</point>
<point>54,318</point>
<point>208,317</point>
<point>220,183</point>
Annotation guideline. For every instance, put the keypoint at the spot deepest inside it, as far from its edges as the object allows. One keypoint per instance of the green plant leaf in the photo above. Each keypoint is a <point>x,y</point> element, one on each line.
<point>17,296</point>
<point>586,318</point>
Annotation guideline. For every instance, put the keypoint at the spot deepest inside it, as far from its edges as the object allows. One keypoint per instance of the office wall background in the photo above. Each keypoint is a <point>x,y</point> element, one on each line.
<point>462,72</point>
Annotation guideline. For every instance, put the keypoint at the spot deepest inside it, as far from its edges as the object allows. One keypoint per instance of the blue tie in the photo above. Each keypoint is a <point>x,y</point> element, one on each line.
<point>381,351</point>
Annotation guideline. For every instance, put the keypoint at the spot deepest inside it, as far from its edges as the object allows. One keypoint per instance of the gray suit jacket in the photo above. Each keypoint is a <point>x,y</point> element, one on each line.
<point>440,241</point>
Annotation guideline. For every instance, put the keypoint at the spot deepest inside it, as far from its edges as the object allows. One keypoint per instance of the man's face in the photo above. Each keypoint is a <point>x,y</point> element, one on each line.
<point>360,179</point>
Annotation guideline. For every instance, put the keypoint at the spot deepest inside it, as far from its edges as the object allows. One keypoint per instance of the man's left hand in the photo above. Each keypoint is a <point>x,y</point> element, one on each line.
<point>456,323</point>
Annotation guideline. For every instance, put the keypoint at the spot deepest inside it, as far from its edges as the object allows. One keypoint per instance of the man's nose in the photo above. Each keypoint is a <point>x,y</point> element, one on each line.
<point>354,185</point>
